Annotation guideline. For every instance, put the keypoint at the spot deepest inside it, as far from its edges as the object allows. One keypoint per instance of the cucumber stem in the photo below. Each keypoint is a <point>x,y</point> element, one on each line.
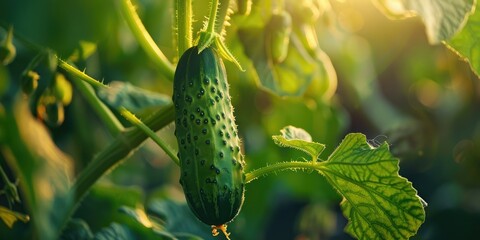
<point>137,122</point>
<point>213,17</point>
<point>282,166</point>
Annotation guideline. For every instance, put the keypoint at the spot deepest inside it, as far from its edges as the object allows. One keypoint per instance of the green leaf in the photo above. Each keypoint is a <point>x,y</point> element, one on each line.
<point>115,231</point>
<point>179,220</point>
<point>142,225</point>
<point>138,215</point>
<point>135,99</point>
<point>45,172</point>
<point>299,139</point>
<point>9,217</point>
<point>443,19</point>
<point>466,43</point>
<point>378,203</point>
<point>149,227</point>
<point>77,229</point>
<point>111,197</point>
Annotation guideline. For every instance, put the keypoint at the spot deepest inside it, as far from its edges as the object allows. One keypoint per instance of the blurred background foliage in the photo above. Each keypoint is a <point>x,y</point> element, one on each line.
<point>392,86</point>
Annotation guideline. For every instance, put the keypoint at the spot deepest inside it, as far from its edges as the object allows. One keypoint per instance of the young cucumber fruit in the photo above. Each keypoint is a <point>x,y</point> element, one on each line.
<point>211,162</point>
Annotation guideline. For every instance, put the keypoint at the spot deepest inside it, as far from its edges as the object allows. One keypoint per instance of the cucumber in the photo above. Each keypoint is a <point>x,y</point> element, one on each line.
<point>279,28</point>
<point>211,162</point>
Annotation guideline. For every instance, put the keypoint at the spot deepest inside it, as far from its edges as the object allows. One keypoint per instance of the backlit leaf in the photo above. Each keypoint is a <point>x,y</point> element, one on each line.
<point>443,19</point>
<point>378,203</point>
<point>466,43</point>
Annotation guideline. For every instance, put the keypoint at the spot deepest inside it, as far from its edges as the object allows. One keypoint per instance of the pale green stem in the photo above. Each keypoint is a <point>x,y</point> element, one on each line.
<point>282,166</point>
<point>213,16</point>
<point>108,118</point>
<point>213,31</point>
<point>137,122</point>
<point>183,9</point>
<point>145,40</point>
<point>79,74</point>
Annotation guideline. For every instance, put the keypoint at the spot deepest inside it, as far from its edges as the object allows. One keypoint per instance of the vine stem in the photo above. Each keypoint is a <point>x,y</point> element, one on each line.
<point>145,40</point>
<point>108,118</point>
<point>282,166</point>
<point>137,122</point>
<point>183,9</point>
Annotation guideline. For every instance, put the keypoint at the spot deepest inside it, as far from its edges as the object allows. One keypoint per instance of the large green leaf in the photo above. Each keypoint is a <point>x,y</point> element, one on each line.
<point>378,202</point>
<point>466,43</point>
<point>77,229</point>
<point>44,171</point>
<point>443,19</point>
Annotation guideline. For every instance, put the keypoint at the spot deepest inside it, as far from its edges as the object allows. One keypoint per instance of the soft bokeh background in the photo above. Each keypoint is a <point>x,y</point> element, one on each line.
<point>392,86</point>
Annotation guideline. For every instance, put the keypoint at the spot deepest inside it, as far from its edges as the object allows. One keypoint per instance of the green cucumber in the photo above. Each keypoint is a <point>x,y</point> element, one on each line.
<point>279,28</point>
<point>211,162</point>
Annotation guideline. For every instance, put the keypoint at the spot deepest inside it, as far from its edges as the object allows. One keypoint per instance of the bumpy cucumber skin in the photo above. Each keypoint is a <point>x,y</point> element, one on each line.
<point>211,162</point>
